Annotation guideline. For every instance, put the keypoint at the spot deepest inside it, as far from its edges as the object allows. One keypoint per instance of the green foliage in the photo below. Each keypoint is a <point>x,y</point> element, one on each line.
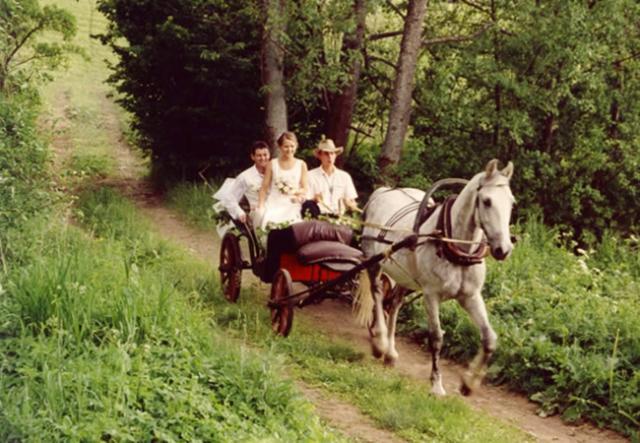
<point>552,86</point>
<point>191,80</point>
<point>194,202</point>
<point>24,55</point>
<point>566,324</point>
<point>108,337</point>
<point>23,162</point>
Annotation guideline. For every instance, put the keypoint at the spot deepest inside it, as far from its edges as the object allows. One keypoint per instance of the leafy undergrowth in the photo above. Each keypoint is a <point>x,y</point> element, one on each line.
<point>567,325</point>
<point>107,337</point>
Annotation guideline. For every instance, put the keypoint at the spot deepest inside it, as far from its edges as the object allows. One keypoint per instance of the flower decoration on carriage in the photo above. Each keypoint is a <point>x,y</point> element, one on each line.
<point>285,187</point>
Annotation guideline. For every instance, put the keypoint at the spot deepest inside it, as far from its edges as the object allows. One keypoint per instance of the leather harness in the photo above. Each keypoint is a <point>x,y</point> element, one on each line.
<point>447,250</point>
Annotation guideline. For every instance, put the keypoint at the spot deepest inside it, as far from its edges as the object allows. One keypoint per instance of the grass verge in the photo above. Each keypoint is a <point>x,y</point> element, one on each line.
<point>109,337</point>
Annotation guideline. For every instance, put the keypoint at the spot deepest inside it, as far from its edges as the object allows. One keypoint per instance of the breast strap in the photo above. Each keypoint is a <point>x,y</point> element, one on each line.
<point>449,250</point>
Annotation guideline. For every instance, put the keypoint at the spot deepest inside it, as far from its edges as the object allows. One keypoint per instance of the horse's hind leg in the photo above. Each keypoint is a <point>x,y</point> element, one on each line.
<point>396,303</point>
<point>378,330</point>
<point>472,377</point>
<point>432,304</point>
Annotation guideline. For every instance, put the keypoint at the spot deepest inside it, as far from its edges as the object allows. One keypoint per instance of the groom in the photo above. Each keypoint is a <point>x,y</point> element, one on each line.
<point>248,183</point>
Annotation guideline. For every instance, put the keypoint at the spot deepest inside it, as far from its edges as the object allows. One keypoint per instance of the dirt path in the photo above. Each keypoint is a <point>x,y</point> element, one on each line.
<point>334,318</point>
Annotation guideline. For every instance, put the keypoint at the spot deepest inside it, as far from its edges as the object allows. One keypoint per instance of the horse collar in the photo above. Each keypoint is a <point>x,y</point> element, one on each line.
<point>449,250</point>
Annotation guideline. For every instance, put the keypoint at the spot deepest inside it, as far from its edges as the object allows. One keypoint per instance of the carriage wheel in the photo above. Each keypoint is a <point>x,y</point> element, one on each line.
<point>281,311</point>
<point>230,267</point>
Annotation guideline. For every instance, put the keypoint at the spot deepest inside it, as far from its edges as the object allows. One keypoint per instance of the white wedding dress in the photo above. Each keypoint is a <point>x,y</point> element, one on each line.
<point>281,206</point>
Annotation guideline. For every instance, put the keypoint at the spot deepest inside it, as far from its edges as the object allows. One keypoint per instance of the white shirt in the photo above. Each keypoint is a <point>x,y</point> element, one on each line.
<point>334,189</point>
<point>248,183</point>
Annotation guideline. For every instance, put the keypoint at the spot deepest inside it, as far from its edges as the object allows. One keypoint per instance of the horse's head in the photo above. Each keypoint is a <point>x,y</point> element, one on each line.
<point>494,203</point>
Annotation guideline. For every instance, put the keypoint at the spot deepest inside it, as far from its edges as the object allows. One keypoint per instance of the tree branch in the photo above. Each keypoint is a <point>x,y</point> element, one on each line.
<point>396,9</point>
<point>361,131</point>
<point>374,58</point>
<point>28,59</point>
<point>476,6</point>
<point>21,43</point>
<point>457,38</point>
<point>383,35</point>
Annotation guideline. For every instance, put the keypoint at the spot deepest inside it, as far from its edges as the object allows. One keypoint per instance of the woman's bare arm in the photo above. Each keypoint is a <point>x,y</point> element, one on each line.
<point>264,189</point>
<point>303,181</point>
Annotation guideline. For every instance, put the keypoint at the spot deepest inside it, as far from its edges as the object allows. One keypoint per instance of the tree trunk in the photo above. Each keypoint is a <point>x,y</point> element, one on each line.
<point>343,102</point>
<point>403,85</point>
<point>273,71</point>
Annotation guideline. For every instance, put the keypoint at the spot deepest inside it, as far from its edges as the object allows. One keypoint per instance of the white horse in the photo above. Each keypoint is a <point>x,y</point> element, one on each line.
<point>481,211</point>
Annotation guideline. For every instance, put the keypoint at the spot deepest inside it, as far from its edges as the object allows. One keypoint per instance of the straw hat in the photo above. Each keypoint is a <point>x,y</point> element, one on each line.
<point>327,145</point>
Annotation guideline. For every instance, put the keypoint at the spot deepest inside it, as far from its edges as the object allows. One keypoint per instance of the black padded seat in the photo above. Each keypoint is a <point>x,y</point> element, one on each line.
<point>334,255</point>
<point>317,230</point>
<point>304,233</point>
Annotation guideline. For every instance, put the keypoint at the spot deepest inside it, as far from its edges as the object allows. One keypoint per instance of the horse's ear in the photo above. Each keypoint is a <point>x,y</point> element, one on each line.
<point>508,170</point>
<point>491,168</point>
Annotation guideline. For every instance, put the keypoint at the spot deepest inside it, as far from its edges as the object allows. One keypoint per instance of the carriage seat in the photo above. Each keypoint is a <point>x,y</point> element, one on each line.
<point>318,230</point>
<point>303,236</point>
<point>333,254</point>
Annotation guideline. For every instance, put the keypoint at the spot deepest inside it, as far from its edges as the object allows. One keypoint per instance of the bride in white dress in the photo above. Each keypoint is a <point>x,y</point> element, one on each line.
<point>285,183</point>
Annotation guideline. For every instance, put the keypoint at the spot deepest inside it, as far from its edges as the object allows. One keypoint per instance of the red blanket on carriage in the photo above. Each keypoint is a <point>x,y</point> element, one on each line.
<point>311,251</point>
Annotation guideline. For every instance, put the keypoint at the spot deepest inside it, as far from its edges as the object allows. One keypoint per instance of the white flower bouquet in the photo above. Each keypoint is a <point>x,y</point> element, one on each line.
<point>285,187</point>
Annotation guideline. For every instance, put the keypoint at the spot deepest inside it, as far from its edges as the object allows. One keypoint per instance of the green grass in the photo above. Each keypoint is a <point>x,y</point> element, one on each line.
<point>109,336</point>
<point>106,332</point>
<point>194,202</point>
<point>394,402</point>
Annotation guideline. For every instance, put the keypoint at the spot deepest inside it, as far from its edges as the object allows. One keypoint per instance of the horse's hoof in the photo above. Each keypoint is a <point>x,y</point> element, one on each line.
<point>469,383</point>
<point>380,346</point>
<point>390,361</point>
<point>438,390</point>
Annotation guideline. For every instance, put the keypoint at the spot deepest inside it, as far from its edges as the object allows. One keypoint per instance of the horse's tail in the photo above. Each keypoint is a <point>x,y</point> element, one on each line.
<point>363,300</point>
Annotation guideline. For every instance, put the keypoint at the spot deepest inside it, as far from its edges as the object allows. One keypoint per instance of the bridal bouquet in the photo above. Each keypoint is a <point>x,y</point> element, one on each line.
<point>285,187</point>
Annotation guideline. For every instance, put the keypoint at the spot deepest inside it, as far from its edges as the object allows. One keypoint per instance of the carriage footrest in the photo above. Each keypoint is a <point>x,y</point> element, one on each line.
<point>334,255</point>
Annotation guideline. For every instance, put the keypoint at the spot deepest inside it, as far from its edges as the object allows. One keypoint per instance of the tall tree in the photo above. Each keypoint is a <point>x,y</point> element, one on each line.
<point>343,102</point>
<point>273,70</point>
<point>404,84</point>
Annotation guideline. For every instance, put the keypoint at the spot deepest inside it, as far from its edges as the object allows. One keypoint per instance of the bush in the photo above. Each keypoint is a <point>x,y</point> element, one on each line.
<point>24,177</point>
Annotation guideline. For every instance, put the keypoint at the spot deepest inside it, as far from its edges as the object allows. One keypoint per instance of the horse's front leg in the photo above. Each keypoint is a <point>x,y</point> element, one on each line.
<point>396,303</point>
<point>432,305</point>
<point>378,329</point>
<point>473,376</point>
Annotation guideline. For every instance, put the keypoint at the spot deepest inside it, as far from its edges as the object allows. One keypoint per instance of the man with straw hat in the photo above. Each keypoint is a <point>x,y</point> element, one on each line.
<point>331,188</point>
